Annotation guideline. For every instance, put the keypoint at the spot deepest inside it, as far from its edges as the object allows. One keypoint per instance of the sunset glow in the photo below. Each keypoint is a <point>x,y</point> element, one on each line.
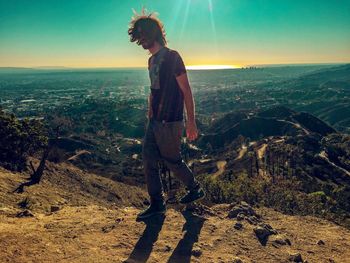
<point>206,67</point>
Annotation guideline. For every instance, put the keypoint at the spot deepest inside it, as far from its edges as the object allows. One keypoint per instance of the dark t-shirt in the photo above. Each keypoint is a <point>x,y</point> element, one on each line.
<point>167,101</point>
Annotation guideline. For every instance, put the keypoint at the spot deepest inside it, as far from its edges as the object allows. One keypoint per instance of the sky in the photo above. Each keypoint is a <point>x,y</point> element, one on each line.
<point>92,33</point>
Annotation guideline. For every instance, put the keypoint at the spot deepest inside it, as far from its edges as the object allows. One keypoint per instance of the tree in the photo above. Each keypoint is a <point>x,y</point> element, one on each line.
<point>20,139</point>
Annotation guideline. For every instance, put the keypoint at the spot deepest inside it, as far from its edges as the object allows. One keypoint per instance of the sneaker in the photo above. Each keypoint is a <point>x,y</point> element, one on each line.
<point>193,195</point>
<point>158,208</point>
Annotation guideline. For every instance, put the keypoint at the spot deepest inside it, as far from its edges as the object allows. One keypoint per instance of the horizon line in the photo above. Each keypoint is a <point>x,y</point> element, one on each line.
<point>189,67</point>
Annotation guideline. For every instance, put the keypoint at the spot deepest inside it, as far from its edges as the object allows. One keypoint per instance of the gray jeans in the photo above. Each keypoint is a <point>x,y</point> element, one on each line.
<point>163,141</point>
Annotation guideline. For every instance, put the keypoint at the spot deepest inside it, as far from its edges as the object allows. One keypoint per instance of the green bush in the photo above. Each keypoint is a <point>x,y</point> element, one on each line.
<point>19,139</point>
<point>283,194</point>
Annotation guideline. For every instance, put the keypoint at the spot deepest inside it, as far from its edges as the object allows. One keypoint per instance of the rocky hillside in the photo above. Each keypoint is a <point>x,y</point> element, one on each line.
<point>280,158</point>
<point>276,121</point>
<point>73,216</point>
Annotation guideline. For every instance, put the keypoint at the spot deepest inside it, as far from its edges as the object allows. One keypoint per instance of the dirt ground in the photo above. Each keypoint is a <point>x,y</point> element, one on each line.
<point>73,216</point>
<point>98,234</point>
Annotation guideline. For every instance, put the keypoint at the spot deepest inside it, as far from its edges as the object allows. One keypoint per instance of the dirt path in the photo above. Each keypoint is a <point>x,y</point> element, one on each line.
<point>324,156</point>
<point>221,168</point>
<point>242,152</point>
<point>98,234</point>
<point>261,151</point>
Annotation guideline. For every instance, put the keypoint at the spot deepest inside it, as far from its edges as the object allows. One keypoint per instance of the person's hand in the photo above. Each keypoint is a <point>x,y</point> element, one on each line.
<point>191,130</point>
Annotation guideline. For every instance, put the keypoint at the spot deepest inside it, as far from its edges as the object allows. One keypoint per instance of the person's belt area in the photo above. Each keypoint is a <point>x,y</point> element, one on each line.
<point>165,121</point>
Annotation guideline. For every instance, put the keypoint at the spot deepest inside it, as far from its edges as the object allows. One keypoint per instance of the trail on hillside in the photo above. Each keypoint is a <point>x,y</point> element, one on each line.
<point>242,152</point>
<point>221,168</point>
<point>324,156</point>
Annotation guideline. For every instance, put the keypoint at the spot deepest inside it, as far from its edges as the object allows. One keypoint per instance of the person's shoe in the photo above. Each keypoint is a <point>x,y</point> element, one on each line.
<point>157,208</point>
<point>192,195</point>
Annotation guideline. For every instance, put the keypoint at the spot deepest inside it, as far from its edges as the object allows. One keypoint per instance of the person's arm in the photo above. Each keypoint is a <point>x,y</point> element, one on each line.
<point>150,112</point>
<point>191,127</point>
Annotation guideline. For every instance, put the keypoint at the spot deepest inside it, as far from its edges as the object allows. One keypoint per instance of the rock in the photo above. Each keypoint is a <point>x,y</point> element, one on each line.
<point>238,226</point>
<point>25,213</point>
<point>119,219</point>
<point>167,248</point>
<point>279,240</point>
<point>261,233</point>
<point>288,241</point>
<point>200,210</point>
<point>242,208</point>
<point>196,252</point>
<point>234,212</point>
<point>107,229</point>
<point>296,257</point>
<point>240,216</point>
<point>269,228</point>
<point>245,204</point>
<point>252,220</point>
<point>54,208</point>
<point>237,260</point>
<point>320,242</point>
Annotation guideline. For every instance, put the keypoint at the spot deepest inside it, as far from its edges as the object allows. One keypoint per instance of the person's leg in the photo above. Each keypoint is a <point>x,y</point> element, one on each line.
<point>168,138</point>
<point>150,157</point>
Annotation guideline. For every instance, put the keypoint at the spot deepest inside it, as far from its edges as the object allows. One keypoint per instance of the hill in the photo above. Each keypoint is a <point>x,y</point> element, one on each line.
<point>276,121</point>
<point>72,216</point>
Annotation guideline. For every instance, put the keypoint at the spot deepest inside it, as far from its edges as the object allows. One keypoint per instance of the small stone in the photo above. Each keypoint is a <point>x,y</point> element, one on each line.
<point>242,208</point>
<point>268,228</point>
<point>320,242</point>
<point>197,252</point>
<point>119,219</point>
<point>107,229</point>
<point>240,216</point>
<point>288,241</point>
<point>245,204</point>
<point>167,248</point>
<point>238,226</point>
<point>54,208</point>
<point>237,260</point>
<point>251,220</point>
<point>25,213</point>
<point>296,257</point>
<point>234,212</point>
<point>280,240</point>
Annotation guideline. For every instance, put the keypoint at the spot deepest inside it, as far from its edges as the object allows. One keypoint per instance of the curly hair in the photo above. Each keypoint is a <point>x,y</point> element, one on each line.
<point>147,25</point>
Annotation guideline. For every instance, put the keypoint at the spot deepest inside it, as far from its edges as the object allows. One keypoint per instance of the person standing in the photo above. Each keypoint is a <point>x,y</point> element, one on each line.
<point>170,90</point>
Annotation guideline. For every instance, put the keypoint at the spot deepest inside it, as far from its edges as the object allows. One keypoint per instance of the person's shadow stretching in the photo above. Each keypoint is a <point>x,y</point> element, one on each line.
<point>183,251</point>
<point>144,245</point>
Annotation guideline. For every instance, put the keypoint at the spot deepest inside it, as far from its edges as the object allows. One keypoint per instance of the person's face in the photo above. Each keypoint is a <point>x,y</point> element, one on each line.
<point>144,41</point>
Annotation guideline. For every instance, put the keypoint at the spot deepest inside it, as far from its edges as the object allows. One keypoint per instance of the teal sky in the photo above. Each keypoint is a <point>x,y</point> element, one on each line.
<point>76,33</point>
